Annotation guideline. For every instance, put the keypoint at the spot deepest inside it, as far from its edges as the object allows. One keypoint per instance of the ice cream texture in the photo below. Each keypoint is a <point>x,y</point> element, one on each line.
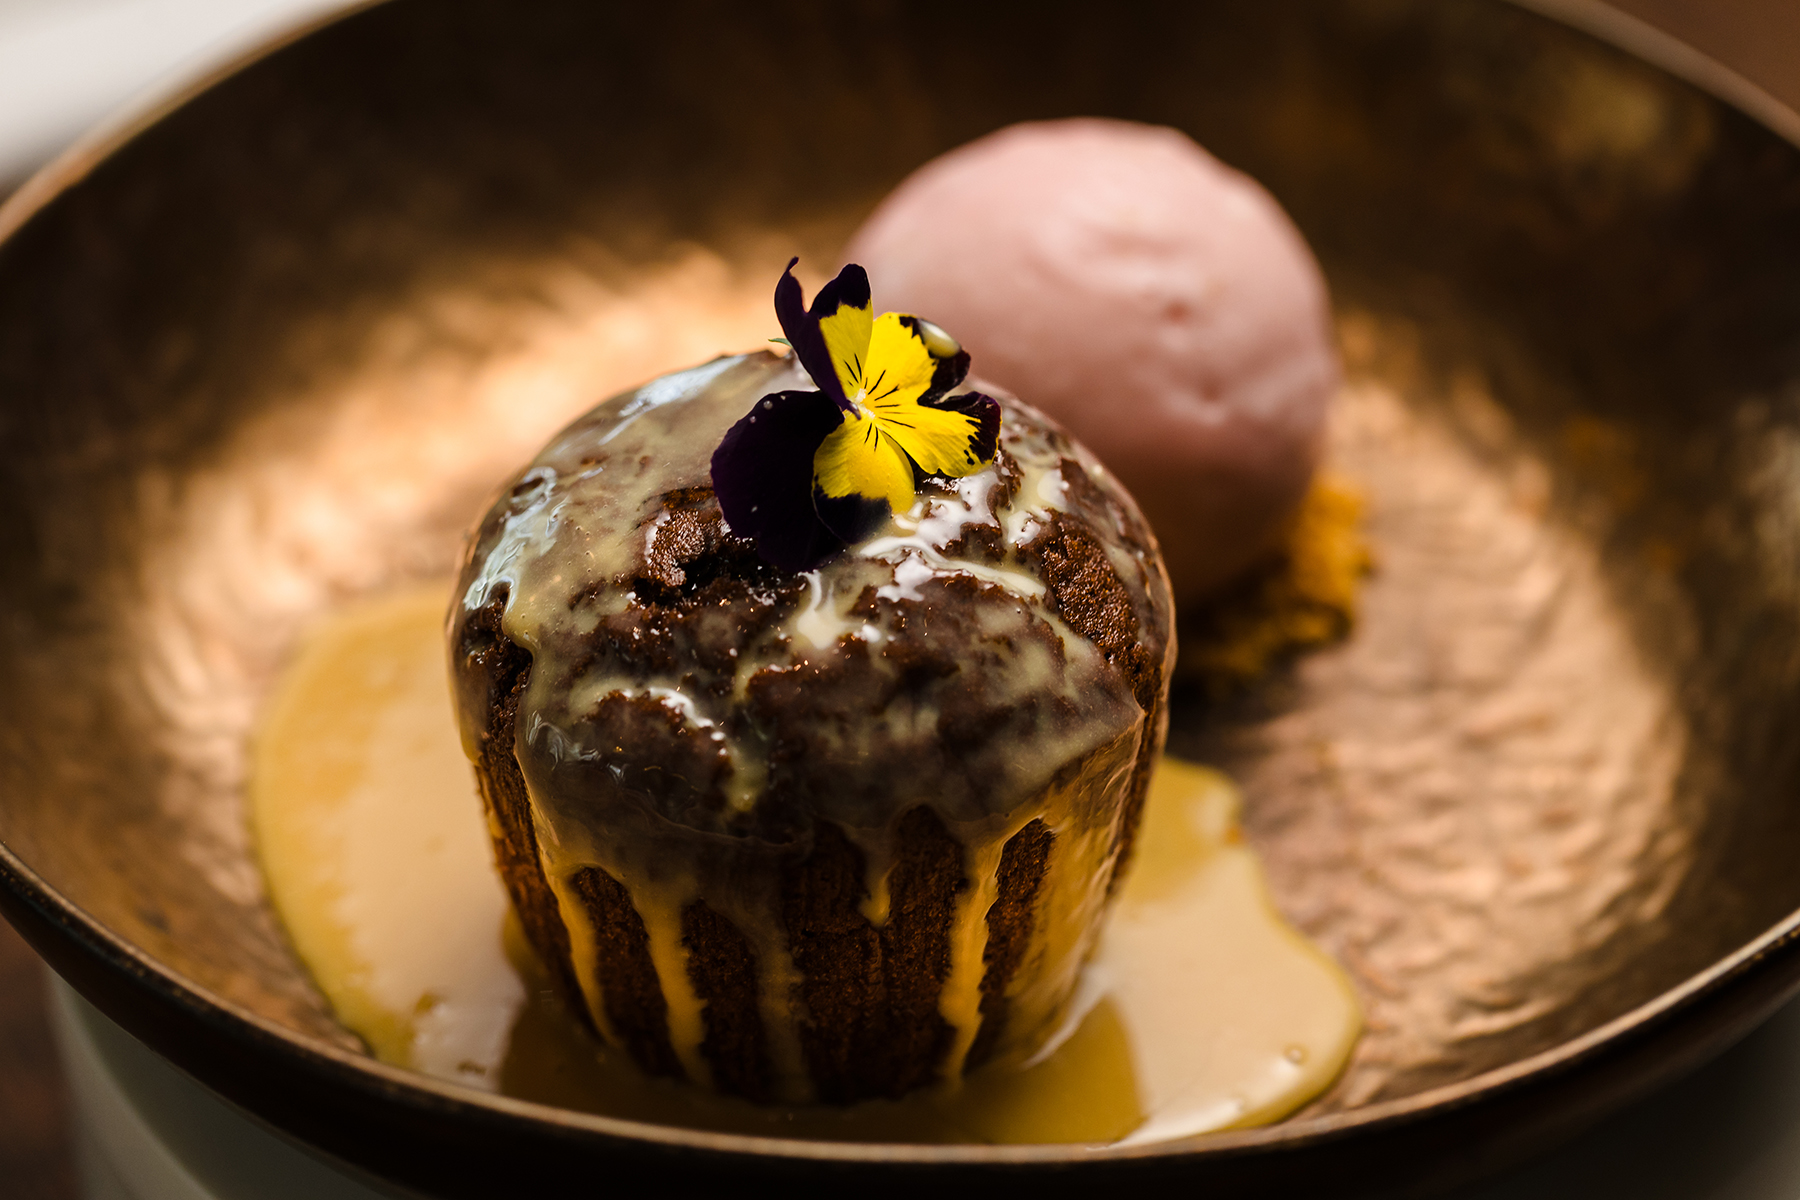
<point>1157,302</point>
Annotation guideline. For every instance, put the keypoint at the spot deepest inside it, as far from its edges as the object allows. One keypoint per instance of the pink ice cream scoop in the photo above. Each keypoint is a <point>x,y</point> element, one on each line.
<point>1155,301</point>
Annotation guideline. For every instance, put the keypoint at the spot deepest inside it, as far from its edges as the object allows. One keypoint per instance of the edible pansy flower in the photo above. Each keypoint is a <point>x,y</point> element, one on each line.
<point>807,472</point>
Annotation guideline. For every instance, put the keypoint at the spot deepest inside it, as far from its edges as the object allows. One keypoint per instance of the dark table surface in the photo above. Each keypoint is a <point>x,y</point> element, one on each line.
<point>36,1162</point>
<point>1760,38</point>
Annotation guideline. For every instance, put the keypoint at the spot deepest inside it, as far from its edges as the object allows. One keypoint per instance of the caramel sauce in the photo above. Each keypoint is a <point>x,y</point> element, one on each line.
<point>1201,1009</point>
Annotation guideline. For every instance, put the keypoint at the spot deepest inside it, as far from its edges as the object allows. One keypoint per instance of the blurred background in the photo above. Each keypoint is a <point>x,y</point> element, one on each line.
<point>1730,1133</point>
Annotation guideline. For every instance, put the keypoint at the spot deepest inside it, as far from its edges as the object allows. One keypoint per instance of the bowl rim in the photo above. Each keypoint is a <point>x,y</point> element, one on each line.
<point>428,1094</point>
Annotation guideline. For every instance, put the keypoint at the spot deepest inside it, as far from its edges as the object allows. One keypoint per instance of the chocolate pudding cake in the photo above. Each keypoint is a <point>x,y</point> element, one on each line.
<point>809,835</point>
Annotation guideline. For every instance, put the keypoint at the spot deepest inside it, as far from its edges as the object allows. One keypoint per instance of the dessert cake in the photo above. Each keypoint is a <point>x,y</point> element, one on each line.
<point>825,829</point>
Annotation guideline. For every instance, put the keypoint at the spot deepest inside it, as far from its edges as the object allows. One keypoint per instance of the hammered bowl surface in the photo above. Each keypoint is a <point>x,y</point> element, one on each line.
<point>273,351</point>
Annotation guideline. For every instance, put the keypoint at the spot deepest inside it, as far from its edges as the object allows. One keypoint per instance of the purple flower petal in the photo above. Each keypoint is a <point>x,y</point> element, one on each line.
<point>851,518</point>
<point>762,473</point>
<point>850,289</point>
<point>803,334</point>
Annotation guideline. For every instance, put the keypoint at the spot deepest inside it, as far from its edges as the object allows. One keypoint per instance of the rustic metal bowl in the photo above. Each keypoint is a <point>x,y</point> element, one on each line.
<point>237,346</point>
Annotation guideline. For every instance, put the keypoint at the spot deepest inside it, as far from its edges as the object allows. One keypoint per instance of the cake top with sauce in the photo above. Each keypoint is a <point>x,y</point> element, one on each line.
<point>1007,623</point>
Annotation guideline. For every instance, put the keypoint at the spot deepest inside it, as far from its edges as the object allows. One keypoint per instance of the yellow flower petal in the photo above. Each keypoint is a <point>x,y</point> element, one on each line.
<point>858,458</point>
<point>941,441</point>
<point>900,370</point>
<point>846,333</point>
<point>900,366</point>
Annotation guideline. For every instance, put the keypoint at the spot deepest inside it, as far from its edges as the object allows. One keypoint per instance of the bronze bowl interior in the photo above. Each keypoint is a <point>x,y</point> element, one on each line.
<point>236,352</point>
